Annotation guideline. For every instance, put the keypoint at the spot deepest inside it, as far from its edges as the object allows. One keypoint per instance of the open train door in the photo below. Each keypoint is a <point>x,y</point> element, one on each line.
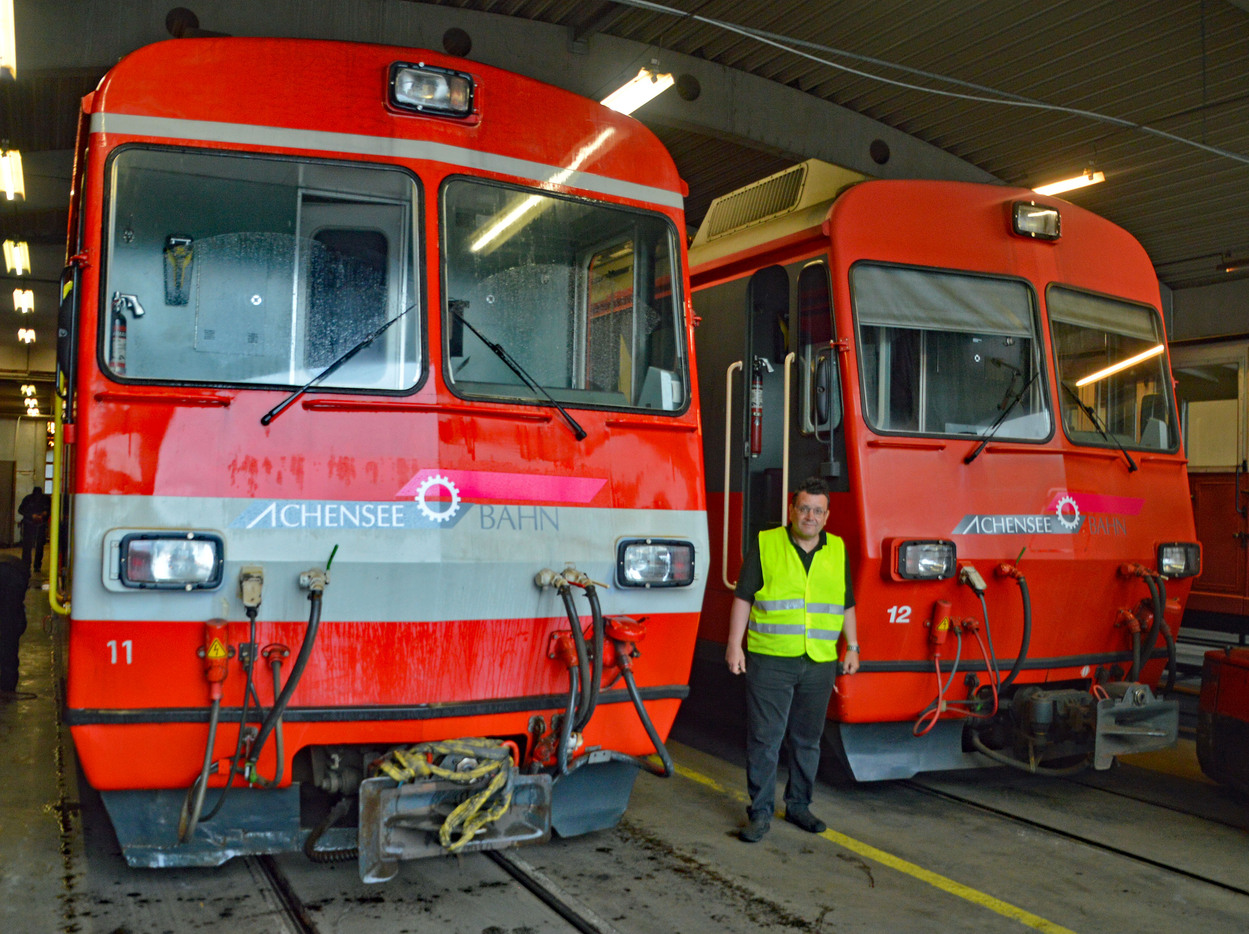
<point>790,395</point>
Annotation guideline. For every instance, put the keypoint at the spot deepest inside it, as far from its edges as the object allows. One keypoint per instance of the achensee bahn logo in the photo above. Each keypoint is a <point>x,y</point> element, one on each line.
<point>1065,514</point>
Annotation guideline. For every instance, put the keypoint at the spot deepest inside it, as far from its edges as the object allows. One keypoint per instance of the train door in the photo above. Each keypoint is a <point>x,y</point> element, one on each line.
<point>791,392</point>
<point>1210,386</point>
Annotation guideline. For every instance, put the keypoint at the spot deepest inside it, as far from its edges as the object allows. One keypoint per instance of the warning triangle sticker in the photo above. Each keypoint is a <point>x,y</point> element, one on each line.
<point>216,649</point>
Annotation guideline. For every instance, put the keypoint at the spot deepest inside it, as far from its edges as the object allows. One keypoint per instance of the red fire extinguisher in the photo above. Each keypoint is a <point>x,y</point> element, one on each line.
<point>756,411</point>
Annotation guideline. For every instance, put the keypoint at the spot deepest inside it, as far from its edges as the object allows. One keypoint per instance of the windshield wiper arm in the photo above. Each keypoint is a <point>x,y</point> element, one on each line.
<point>997,423</point>
<point>1097,423</point>
<point>339,361</point>
<point>454,305</point>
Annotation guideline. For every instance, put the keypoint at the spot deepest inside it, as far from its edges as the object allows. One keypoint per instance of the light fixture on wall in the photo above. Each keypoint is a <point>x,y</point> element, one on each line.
<point>24,301</point>
<point>11,181</point>
<point>16,256</point>
<point>8,42</point>
<point>1089,177</point>
<point>639,89</point>
<point>1228,264</point>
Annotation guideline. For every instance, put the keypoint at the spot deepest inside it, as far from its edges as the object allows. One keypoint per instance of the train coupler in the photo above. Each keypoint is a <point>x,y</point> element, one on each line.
<point>449,797</point>
<point>1131,719</point>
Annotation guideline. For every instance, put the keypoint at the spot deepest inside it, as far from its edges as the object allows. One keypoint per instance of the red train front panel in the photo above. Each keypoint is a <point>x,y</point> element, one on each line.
<point>486,313</point>
<point>1004,455</point>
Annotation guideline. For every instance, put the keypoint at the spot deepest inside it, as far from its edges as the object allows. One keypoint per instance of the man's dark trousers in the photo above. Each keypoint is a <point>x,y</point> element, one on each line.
<point>783,691</point>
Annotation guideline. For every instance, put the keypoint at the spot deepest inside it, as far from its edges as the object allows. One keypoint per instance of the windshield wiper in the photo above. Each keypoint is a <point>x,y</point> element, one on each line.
<point>1101,430</point>
<point>339,361</point>
<point>455,305</point>
<point>997,423</point>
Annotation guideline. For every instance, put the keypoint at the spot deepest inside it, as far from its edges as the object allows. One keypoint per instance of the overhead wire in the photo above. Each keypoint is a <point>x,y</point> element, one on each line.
<point>984,95</point>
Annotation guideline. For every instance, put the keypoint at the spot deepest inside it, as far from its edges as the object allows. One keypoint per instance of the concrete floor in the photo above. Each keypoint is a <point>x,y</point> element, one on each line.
<point>1147,846</point>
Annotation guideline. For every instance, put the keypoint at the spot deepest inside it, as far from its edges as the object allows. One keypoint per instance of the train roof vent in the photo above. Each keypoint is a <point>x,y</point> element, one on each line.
<point>765,199</point>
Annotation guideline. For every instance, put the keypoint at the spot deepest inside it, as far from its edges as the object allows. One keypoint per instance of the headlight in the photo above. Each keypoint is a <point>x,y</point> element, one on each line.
<point>1029,219</point>
<point>171,561</point>
<point>426,89</point>
<point>931,560</point>
<point>1179,559</point>
<point>654,562</point>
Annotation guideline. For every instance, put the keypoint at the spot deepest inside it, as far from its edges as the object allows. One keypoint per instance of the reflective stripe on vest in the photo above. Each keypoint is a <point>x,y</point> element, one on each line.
<point>797,613</point>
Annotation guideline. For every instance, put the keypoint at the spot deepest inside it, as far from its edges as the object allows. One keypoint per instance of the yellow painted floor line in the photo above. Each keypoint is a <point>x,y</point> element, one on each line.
<point>936,880</point>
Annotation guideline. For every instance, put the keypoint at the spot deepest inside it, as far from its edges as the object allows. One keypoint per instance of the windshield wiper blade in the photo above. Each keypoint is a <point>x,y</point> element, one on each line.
<point>454,305</point>
<point>1097,423</point>
<point>997,423</point>
<point>339,361</point>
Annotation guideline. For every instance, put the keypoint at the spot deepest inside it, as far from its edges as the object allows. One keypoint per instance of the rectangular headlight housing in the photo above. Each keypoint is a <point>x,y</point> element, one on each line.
<point>654,562</point>
<point>1179,559</point>
<point>1029,219</point>
<point>171,561</point>
<point>926,560</point>
<point>425,89</point>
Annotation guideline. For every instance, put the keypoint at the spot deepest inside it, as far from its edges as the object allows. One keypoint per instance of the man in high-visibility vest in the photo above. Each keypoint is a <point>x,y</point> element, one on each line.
<point>793,602</point>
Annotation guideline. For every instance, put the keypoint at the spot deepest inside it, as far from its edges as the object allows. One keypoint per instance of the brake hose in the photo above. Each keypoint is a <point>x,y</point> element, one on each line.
<point>1026,641</point>
<point>591,689</point>
<point>583,659</point>
<point>194,802</point>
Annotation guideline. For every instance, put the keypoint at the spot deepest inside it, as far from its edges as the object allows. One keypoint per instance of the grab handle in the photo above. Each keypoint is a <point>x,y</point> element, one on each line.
<point>789,370</point>
<point>728,466</point>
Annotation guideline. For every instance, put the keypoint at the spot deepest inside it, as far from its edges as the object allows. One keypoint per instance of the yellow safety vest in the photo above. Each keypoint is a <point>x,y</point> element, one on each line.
<point>797,613</point>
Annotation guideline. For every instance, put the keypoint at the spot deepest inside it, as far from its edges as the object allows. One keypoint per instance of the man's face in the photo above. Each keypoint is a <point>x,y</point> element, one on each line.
<point>808,513</point>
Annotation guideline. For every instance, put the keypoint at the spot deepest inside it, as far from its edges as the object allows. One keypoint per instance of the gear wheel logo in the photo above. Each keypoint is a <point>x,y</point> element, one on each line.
<point>451,508</point>
<point>1070,521</point>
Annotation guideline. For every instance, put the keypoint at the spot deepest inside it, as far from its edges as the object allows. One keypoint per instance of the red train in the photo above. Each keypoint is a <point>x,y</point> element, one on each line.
<point>981,375</point>
<point>378,455</point>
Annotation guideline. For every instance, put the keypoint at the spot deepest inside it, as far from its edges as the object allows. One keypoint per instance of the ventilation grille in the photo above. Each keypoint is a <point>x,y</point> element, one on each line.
<point>773,196</point>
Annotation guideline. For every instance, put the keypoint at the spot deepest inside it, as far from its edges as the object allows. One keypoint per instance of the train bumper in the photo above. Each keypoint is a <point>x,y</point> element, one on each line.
<point>402,821</point>
<point>1133,720</point>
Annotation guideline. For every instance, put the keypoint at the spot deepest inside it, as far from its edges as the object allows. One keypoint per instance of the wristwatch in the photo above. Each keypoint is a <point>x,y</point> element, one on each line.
<point>852,647</point>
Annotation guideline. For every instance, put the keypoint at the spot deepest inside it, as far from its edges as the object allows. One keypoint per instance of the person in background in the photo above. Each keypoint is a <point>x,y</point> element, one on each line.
<point>793,602</point>
<point>34,510</point>
<point>13,582</point>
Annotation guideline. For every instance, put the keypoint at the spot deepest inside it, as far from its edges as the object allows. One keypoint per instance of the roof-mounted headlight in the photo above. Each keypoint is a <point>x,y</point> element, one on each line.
<point>654,562</point>
<point>171,561</point>
<point>1179,559</point>
<point>425,89</point>
<point>1029,219</point>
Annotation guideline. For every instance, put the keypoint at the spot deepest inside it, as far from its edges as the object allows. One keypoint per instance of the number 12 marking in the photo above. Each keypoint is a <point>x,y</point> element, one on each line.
<point>899,614</point>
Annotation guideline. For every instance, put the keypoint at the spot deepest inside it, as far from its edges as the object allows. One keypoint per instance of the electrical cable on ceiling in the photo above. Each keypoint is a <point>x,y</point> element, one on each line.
<point>794,47</point>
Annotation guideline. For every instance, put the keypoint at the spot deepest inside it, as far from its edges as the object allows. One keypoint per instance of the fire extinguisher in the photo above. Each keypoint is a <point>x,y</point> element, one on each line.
<point>117,342</point>
<point>756,412</point>
<point>756,405</point>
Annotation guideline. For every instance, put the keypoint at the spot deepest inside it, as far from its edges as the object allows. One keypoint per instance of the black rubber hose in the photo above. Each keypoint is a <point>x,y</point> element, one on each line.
<point>583,658</point>
<point>336,813</point>
<point>1027,635</point>
<point>249,691</point>
<point>596,661</point>
<point>194,803</point>
<point>292,682</point>
<point>565,729</point>
<point>1136,656</point>
<point>1151,640</point>
<point>1025,766</point>
<point>660,749</point>
<point>1170,640</point>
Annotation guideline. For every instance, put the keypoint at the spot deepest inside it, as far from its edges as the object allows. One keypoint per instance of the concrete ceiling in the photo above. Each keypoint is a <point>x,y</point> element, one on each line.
<point>1155,93</point>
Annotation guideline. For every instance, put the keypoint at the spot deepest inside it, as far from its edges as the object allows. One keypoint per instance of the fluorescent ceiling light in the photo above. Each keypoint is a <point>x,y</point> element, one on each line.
<point>24,300</point>
<point>8,41</point>
<point>26,335</point>
<point>1070,184</point>
<point>1121,365</point>
<point>11,173</point>
<point>16,255</point>
<point>637,91</point>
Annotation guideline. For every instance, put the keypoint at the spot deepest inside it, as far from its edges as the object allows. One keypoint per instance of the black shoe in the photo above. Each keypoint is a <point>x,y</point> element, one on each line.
<point>803,818</point>
<point>754,831</point>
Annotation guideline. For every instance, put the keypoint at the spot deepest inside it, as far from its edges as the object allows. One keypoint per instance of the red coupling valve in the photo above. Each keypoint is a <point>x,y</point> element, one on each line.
<point>624,629</point>
<point>563,649</point>
<point>1129,569</point>
<point>216,654</point>
<point>1128,619</point>
<point>1008,570</point>
<point>939,626</point>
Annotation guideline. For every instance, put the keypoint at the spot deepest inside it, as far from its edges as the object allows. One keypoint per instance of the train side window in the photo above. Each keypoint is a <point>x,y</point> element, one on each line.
<point>1209,398</point>
<point>1111,367</point>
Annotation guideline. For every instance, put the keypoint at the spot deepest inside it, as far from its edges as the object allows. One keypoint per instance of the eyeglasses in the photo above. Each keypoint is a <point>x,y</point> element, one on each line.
<point>811,511</point>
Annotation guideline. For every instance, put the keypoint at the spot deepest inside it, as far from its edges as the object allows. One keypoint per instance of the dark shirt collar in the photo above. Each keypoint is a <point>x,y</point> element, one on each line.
<point>789,530</point>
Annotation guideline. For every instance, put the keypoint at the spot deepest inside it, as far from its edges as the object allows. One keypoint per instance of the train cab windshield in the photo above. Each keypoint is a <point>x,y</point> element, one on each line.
<point>949,354</point>
<point>1112,371</point>
<point>582,296</point>
<point>225,269</point>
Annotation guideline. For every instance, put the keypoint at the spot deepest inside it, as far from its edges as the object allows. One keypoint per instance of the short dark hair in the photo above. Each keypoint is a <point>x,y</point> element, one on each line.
<point>812,486</point>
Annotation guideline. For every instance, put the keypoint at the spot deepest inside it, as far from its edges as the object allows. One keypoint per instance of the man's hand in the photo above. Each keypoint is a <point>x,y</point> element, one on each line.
<point>850,661</point>
<point>735,658</point>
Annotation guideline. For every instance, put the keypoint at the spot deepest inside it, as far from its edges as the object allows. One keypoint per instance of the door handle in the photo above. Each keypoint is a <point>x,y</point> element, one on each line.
<point>728,462</point>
